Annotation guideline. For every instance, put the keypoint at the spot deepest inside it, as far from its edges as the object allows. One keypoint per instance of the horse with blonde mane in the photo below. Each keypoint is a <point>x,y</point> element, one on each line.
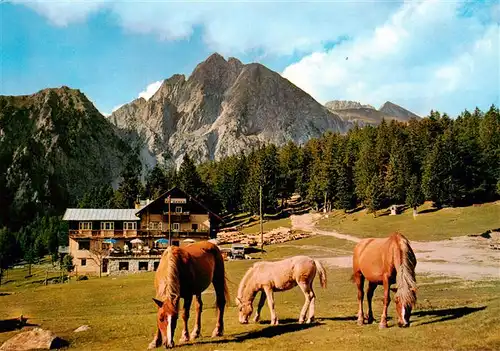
<point>268,277</point>
<point>183,273</point>
<point>384,262</point>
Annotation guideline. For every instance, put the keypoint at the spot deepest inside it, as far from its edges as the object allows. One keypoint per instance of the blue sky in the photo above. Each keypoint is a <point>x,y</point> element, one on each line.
<point>422,55</point>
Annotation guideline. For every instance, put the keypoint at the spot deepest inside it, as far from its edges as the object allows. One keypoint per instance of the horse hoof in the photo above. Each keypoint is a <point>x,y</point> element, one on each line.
<point>382,326</point>
<point>256,319</point>
<point>195,335</point>
<point>184,339</point>
<point>361,322</point>
<point>310,320</point>
<point>301,321</point>
<point>216,333</point>
<point>275,322</point>
<point>370,321</point>
<point>152,345</point>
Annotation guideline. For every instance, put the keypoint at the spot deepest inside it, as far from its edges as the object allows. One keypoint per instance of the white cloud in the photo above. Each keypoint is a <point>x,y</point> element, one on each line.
<point>230,28</point>
<point>150,90</point>
<point>425,56</point>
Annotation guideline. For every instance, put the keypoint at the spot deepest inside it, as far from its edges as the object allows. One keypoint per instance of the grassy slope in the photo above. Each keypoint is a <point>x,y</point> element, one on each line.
<point>122,315</point>
<point>428,225</point>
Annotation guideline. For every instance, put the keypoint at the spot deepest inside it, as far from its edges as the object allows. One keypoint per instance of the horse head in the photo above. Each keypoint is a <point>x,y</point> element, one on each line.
<point>166,319</point>
<point>404,307</point>
<point>245,309</point>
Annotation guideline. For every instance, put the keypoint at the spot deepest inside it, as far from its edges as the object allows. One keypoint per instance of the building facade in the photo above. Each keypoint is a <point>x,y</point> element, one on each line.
<point>110,241</point>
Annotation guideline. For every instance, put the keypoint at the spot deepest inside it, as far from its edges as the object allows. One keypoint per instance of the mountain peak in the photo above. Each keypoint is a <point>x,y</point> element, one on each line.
<point>345,104</point>
<point>397,111</point>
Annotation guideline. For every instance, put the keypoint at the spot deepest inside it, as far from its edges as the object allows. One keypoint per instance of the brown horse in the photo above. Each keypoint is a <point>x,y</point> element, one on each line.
<point>184,273</point>
<point>385,262</point>
<point>268,277</point>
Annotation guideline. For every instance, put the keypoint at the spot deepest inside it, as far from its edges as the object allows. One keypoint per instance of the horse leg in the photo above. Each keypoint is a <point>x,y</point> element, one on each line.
<point>312,297</point>
<point>156,341</point>
<point>359,279</point>
<point>185,317</point>
<point>221,303</point>
<point>369,296</point>
<point>306,289</point>
<point>270,303</point>
<point>387,299</point>
<point>197,327</point>
<point>262,301</point>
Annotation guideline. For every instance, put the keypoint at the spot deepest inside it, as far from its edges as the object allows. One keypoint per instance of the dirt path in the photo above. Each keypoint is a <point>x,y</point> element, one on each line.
<point>464,257</point>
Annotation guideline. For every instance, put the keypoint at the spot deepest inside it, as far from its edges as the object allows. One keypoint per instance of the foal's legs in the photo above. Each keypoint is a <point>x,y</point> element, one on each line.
<point>270,302</point>
<point>262,301</point>
<point>308,304</point>
<point>185,317</point>
<point>369,296</point>
<point>359,279</point>
<point>197,327</point>
<point>387,299</point>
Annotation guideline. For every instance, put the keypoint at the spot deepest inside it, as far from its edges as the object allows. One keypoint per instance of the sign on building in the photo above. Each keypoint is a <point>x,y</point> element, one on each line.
<point>176,201</point>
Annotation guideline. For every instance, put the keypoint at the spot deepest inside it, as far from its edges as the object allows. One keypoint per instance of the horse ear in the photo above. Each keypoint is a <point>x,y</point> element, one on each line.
<point>158,302</point>
<point>394,290</point>
<point>414,290</point>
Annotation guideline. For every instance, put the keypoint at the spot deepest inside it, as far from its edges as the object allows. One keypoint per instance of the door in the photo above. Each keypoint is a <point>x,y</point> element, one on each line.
<point>105,262</point>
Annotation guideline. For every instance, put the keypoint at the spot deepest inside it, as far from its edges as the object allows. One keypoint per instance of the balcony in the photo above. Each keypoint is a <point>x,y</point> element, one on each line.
<point>103,233</point>
<point>177,217</point>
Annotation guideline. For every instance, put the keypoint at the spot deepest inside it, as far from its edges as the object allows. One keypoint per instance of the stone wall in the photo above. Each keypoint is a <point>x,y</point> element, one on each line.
<point>133,265</point>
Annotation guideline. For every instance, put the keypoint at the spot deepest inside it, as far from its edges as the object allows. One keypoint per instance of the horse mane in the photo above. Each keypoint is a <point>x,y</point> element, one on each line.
<point>405,278</point>
<point>244,281</point>
<point>170,286</point>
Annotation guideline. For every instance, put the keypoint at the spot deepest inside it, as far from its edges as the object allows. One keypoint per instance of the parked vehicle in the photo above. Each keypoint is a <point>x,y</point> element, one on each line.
<point>238,251</point>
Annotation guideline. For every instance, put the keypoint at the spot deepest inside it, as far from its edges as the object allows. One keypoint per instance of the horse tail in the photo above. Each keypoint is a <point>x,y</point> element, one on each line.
<point>322,273</point>
<point>220,276</point>
<point>405,263</point>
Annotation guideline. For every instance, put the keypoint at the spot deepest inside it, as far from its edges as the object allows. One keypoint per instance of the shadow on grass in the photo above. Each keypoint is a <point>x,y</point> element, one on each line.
<point>447,314</point>
<point>5,294</point>
<point>267,332</point>
<point>428,210</point>
<point>7,325</point>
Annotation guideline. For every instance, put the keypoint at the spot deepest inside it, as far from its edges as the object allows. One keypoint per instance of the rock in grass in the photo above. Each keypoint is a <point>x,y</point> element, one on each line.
<point>82,328</point>
<point>34,339</point>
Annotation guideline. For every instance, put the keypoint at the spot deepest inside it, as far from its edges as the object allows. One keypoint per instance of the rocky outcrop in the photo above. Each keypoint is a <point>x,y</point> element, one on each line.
<point>354,112</point>
<point>34,339</point>
<point>223,108</point>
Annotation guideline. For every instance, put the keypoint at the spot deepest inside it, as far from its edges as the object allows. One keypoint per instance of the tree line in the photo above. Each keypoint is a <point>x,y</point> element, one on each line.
<point>451,162</point>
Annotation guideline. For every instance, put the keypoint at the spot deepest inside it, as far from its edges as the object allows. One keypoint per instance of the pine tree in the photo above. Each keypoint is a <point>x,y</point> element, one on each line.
<point>189,179</point>
<point>414,195</point>
<point>130,186</point>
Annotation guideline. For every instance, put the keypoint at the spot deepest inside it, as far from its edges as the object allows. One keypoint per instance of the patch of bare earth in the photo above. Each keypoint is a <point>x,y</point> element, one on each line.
<point>470,258</point>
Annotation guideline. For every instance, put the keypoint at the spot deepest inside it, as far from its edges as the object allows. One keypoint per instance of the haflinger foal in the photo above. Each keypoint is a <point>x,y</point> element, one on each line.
<point>384,262</point>
<point>268,277</point>
<point>183,273</point>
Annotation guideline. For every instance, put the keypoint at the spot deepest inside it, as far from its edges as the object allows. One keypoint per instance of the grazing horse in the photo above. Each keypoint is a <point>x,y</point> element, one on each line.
<point>385,262</point>
<point>268,277</point>
<point>182,273</point>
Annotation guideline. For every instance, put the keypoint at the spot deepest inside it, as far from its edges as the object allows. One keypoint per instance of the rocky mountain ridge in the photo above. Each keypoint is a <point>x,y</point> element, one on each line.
<point>224,107</point>
<point>355,112</point>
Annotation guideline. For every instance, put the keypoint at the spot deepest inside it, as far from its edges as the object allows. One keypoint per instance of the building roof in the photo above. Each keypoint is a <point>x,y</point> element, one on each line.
<point>187,195</point>
<point>100,214</point>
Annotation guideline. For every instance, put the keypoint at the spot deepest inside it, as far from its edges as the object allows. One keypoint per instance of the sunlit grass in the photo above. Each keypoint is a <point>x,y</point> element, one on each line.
<point>451,314</point>
<point>428,225</point>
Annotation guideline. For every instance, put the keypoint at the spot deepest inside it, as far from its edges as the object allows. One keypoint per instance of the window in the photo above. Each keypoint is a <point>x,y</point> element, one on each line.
<point>194,226</point>
<point>178,209</point>
<point>143,266</point>
<point>84,245</point>
<point>107,225</point>
<point>175,242</point>
<point>123,266</point>
<point>155,225</point>
<point>155,265</point>
<point>83,262</point>
<point>129,225</point>
<point>176,226</point>
<point>85,226</point>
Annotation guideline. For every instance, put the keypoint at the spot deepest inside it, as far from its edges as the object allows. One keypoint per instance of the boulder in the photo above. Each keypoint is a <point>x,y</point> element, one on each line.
<point>82,328</point>
<point>34,339</point>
